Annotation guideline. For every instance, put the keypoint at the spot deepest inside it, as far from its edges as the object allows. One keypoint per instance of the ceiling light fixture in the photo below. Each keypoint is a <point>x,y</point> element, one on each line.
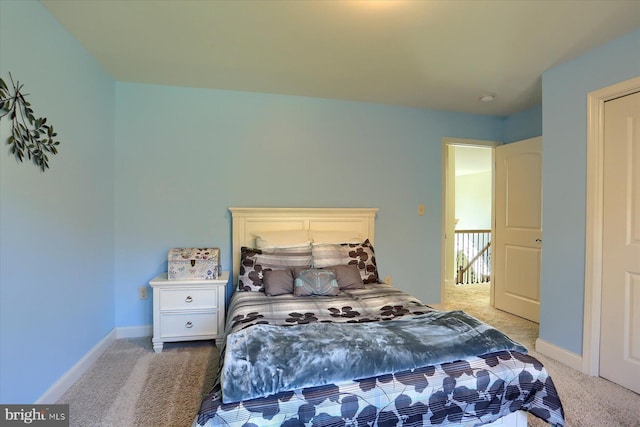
<point>487,98</point>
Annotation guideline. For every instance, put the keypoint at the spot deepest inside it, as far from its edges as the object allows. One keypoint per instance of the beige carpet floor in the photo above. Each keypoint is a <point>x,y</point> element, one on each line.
<point>130,385</point>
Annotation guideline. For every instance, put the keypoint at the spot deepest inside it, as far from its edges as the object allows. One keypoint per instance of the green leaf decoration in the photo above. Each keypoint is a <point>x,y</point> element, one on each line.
<point>30,137</point>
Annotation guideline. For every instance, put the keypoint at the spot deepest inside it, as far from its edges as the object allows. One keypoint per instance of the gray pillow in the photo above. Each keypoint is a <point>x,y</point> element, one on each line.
<point>348,276</point>
<point>278,282</point>
<point>315,282</point>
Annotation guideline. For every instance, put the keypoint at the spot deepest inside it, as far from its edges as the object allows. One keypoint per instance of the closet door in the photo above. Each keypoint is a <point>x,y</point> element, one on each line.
<point>620,314</point>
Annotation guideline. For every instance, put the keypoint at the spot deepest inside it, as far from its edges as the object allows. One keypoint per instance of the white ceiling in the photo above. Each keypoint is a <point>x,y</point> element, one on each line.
<point>428,54</point>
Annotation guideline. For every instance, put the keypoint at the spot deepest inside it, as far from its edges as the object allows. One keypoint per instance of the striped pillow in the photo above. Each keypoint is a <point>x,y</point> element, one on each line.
<point>361,255</point>
<point>254,262</point>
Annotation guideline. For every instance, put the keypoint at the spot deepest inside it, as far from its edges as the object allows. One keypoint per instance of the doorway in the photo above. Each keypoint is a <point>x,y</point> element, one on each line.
<point>467,216</point>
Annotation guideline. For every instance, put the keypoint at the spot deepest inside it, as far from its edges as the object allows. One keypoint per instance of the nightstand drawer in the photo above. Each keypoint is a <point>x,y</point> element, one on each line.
<point>189,324</point>
<point>188,299</point>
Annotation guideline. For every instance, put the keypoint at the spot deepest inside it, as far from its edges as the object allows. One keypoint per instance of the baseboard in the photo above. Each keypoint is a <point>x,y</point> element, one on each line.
<point>72,375</point>
<point>560,354</point>
<point>53,394</point>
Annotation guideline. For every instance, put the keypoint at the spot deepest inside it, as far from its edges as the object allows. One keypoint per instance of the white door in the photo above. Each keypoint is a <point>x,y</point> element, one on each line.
<point>518,228</point>
<point>620,313</point>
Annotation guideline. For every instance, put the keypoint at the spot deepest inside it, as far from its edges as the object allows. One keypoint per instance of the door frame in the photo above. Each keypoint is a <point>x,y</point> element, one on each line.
<point>445,212</point>
<point>594,219</point>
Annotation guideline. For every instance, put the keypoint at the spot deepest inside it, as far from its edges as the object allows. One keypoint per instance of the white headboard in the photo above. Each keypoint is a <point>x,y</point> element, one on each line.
<point>246,221</point>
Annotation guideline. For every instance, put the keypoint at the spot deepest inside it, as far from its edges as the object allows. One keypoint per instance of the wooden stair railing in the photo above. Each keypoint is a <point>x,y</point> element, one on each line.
<point>478,268</point>
<point>463,270</point>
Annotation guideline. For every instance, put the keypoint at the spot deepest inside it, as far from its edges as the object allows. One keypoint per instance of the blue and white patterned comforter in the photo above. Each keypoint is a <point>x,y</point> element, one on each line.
<point>470,391</point>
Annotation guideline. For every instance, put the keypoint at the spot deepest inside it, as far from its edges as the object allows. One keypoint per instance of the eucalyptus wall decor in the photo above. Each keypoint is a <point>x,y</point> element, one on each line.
<point>30,136</point>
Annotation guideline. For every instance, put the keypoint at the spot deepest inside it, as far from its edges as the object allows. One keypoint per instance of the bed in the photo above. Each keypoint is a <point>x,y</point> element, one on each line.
<point>313,337</point>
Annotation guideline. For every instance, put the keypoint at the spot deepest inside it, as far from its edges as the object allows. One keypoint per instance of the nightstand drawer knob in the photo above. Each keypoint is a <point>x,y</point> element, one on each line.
<point>188,325</point>
<point>188,299</point>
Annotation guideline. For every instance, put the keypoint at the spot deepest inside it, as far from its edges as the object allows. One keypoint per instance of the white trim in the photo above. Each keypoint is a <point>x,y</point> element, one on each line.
<point>134,331</point>
<point>594,217</point>
<point>567,357</point>
<point>72,375</point>
<point>55,392</point>
<point>463,142</point>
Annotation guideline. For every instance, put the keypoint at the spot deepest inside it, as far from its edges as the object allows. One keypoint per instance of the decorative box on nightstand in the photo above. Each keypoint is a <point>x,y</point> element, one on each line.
<point>188,310</point>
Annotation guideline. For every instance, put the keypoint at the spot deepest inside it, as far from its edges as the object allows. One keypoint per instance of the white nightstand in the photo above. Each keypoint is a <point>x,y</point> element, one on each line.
<point>188,310</point>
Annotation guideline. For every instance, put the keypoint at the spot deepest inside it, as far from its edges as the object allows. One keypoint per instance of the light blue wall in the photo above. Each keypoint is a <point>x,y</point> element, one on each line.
<point>56,228</point>
<point>523,125</point>
<point>183,156</point>
<point>564,106</point>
